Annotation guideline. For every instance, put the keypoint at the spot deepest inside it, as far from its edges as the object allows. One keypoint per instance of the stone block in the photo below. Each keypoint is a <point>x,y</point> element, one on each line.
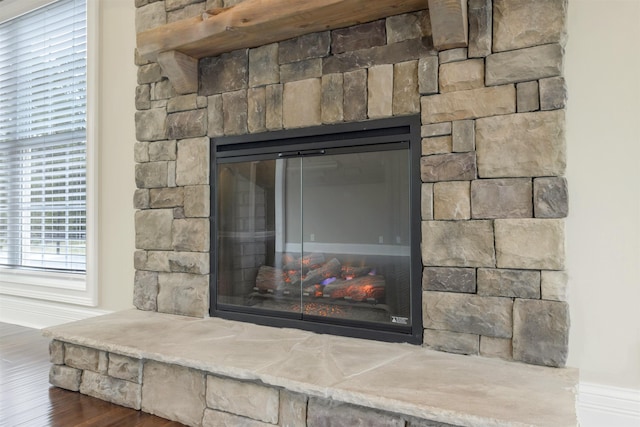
<point>189,262</point>
<point>141,151</point>
<point>406,98</point>
<point>65,377</point>
<point>191,234</point>
<point>332,106</point>
<point>166,197</point>
<point>528,97</point>
<point>501,198</point>
<point>235,112</point>
<point>522,65</point>
<point>355,95</point>
<point>380,91</point>
<point>436,145</point>
<point>145,290</point>
<point>140,260</point>
<point>143,97</point>
<point>151,175</point>
<point>448,167</point>
<point>228,395</point>
<point>314,45</point>
<point>256,109</point>
<point>149,73</point>
<point>301,70</point>
<point>522,23</point>
<point>227,72</point>
<point>125,368</point>
<point>496,347</point>
<point>273,107</point>
<point>162,90</point>
<point>162,150</point>
<point>358,37</point>
<point>183,294</point>
<point>188,11</point>
<point>153,229</point>
<point>182,103</point>
<point>530,243</point>
<point>449,279</point>
<point>550,197</point>
<point>467,313</point>
<point>151,124</point>
<point>150,16</point>
<point>301,102</point>
<point>437,129</point>
<point>214,418</point>
<point>541,332</point>
<point>56,352</point>
<point>554,285</point>
<point>453,55</point>
<point>174,392</point>
<point>480,16</point>
<point>141,199</point>
<point>452,342</point>
<point>535,143</point>
<point>462,75</point>
<point>187,124</point>
<point>192,164</point>
<point>426,203</point>
<point>509,283</point>
<point>458,244</point>
<point>451,200</point>
<point>463,136</point>
<point>428,75</point>
<point>408,50</point>
<point>157,261</point>
<point>215,116</point>
<point>469,104</point>
<point>178,4</point>
<point>80,357</point>
<point>408,26</point>
<point>263,65</point>
<point>553,93</point>
<point>293,409</point>
<point>323,413</point>
<point>196,201</point>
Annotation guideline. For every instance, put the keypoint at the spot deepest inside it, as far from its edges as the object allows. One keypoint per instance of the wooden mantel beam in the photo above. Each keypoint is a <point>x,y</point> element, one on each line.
<point>177,46</point>
<point>255,23</point>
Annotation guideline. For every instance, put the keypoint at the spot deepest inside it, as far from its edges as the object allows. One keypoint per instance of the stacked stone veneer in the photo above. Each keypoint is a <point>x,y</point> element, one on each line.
<point>198,398</point>
<point>493,195</point>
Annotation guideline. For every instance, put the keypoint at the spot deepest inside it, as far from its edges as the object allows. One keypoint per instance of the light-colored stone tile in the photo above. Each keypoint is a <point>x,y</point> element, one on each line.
<point>145,290</point>
<point>480,15</point>
<point>184,294</point>
<point>235,110</point>
<point>550,197</point>
<point>436,145</point>
<point>162,150</point>
<point>426,204</point>
<point>448,167</point>
<point>214,418</point>
<point>293,409</point>
<point>468,313</point>
<point>469,104</point>
<point>191,234</point>
<point>496,347</point>
<point>301,102</point>
<point>256,109</point>
<point>230,396</point>
<point>56,352</point>
<point>406,99</point>
<point>324,412</point>
<point>173,392</point>
<point>332,98</point>
<point>458,244</point>
<point>554,285</point>
<point>535,141</point>
<point>355,95</point>
<point>153,229</point>
<point>125,368</point>
<point>380,91</point>
<point>509,283</point>
<point>150,16</point>
<point>463,136</point>
<point>462,75</point>
<point>523,65</point>
<point>263,65</point>
<point>501,198</point>
<point>553,93</point>
<point>428,75</point>
<point>81,357</point>
<point>528,96</point>
<point>437,129</point>
<point>120,392</point>
<point>452,55</point>
<point>530,243</point>
<point>215,116</point>
<point>452,342</point>
<point>192,164</point>
<point>65,377</point>
<point>151,124</point>
<point>189,262</point>
<point>197,201</point>
<point>451,200</point>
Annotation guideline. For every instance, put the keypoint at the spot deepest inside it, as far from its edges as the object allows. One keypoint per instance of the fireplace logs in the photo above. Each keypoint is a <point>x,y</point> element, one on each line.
<point>314,277</point>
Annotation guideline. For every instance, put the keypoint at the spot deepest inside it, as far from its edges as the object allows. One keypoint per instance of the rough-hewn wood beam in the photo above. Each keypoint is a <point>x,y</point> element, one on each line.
<point>181,69</point>
<point>257,22</point>
<point>449,23</point>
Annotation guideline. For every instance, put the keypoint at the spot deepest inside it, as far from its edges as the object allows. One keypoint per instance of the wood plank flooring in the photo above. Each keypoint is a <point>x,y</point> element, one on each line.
<point>27,399</point>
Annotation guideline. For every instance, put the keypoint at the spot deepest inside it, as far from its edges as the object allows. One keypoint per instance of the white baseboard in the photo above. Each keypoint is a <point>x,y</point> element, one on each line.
<point>606,406</point>
<point>40,314</point>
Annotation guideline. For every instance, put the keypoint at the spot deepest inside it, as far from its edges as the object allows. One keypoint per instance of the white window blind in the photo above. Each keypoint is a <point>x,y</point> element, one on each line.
<point>43,138</point>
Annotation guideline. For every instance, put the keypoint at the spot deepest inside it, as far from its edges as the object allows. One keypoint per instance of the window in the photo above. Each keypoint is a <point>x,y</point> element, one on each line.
<point>43,141</point>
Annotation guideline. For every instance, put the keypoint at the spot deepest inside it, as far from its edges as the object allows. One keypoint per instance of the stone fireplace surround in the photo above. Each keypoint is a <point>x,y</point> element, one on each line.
<point>493,195</point>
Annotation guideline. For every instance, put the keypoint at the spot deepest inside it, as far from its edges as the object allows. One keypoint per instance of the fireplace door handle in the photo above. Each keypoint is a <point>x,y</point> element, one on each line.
<point>300,153</point>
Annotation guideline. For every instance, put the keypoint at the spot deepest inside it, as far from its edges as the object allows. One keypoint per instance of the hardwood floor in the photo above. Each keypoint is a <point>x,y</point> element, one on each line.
<point>27,399</point>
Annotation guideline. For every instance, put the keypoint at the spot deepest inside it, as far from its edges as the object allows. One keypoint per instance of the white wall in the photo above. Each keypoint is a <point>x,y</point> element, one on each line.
<point>603,229</point>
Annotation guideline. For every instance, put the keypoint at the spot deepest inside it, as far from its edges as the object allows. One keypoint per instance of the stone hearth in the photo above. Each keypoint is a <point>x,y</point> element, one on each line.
<point>493,192</point>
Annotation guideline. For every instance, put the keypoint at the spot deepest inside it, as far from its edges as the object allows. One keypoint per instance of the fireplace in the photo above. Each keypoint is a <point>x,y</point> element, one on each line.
<point>313,229</point>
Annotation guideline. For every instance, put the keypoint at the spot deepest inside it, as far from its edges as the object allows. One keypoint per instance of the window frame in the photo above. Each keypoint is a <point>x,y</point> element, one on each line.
<point>71,288</point>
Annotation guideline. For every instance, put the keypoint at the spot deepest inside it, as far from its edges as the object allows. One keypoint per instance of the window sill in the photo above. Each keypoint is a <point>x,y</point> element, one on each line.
<point>50,286</point>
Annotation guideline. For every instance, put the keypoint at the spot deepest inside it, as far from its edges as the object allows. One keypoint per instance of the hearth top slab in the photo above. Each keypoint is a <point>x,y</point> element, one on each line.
<point>401,378</point>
